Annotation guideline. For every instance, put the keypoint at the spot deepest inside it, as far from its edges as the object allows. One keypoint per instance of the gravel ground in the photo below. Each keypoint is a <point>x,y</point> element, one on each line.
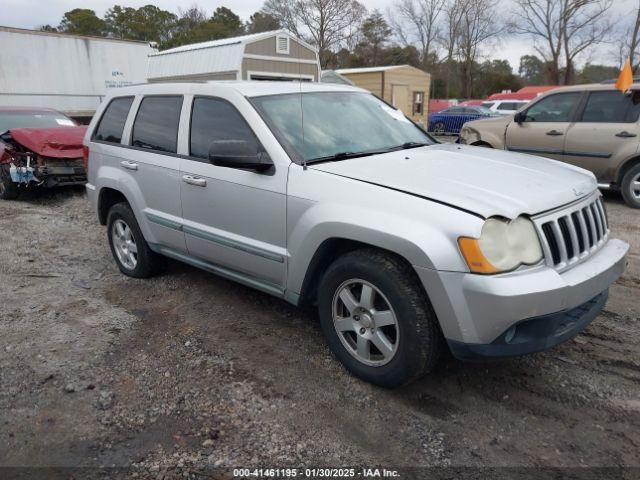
<point>188,371</point>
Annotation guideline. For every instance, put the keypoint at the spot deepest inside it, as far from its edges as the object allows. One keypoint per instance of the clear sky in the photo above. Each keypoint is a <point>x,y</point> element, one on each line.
<point>33,13</point>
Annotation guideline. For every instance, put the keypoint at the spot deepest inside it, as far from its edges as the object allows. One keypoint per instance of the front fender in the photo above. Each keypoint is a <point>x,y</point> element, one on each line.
<point>419,242</point>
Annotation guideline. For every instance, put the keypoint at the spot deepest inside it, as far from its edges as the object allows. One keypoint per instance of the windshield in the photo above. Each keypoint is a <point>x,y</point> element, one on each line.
<point>9,120</point>
<point>488,104</point>
<point>337,123</point>
<point>484,110</point>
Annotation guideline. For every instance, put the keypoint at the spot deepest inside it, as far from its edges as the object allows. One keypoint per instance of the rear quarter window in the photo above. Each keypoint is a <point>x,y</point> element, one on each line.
<point>111,124</point>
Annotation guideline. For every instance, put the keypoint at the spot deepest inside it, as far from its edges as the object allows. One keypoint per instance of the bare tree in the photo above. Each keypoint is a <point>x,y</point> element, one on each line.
<point>562,30</point>
<point>326,23</point>
<point>479,23</point>
<point>418,22</point>
<point>585,24</point>
<point>543,21</point>
<point>450,38</point>
<point>628,42</point>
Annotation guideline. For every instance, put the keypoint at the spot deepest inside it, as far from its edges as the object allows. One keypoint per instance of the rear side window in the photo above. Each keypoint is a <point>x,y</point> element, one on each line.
<point>509,106</point>
<point>112,122</point>
<point>215,119</point>
<point>156,124</point>
<point>612,107</point>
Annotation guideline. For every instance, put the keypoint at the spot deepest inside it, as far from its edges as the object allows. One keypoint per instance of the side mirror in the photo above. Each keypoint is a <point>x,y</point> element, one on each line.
<point>239,154</point>
<point>520,117</point>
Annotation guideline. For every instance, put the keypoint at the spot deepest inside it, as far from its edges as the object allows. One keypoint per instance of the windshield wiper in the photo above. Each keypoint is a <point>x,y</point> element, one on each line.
<point>341,156</point>
<point>407,145</point>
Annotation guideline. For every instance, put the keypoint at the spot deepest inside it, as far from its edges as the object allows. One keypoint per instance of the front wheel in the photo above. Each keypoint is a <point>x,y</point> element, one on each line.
<point>630,187</point>
<point>377,318</point>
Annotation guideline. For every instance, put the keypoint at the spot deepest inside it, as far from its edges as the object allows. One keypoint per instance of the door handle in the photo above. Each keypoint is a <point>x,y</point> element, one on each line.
<point>555,133</point>
<point>129,165</point>
<point>197,181</point>
<point>626,134</point>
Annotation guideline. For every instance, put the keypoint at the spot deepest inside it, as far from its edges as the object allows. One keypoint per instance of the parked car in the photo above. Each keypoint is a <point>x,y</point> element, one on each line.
<point>404,245</point>
<point>504,107</point>
<point>591,126</point>
<point>451,120</point>
<point>38,147</point>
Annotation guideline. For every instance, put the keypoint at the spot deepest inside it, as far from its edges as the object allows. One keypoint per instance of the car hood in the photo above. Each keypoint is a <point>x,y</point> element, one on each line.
<point>483,181</point>
<point>494,120</point>
<point>58,142</point>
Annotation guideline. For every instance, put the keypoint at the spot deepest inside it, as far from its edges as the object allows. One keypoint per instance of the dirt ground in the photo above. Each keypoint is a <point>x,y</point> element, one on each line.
<point>188,371</point>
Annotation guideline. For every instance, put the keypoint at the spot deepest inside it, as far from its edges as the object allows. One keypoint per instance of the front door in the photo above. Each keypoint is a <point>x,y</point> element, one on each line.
<point>233,218</point>
<point>544,126</point>
<point>606,132</point>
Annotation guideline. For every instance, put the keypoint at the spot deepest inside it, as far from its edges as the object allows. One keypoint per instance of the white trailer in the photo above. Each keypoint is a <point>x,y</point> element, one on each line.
<point>70,73</point>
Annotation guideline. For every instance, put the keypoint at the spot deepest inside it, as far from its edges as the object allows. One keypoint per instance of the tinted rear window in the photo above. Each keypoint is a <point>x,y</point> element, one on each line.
<point>214,119</point>
<point>112,122</point>
<point>156,124</point>
<point>612,107</point>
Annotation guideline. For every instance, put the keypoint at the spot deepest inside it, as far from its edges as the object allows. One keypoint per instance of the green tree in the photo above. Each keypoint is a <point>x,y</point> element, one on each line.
<point>119,21</point>
<point>532,70</point>
<point>375,33</point>
<point>591,73</point>
<point>153,24</point>
<point>82,21</point>
<point>495,76</point>
<point>262,22</point>
<point>227,21</point>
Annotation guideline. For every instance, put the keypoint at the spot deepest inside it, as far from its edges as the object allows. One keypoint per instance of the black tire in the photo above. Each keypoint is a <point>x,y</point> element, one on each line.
<point>8,189</point>
<point>420,339</point>
<point>627,187</point>
<point>148,262</point>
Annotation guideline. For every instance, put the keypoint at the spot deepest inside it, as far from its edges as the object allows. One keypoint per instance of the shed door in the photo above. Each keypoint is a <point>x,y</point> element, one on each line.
<point>400,98</point>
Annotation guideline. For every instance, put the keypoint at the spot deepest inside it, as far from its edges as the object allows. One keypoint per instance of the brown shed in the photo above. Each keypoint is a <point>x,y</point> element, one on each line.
<point>275,55</point>
<point>403,86</point>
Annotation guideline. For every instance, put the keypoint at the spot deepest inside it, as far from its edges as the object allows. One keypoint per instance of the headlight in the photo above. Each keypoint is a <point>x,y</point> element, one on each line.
<point>503,245</point>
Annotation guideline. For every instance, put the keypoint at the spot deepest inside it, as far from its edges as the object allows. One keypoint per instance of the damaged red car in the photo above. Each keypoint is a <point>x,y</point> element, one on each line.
<point>39,148</point>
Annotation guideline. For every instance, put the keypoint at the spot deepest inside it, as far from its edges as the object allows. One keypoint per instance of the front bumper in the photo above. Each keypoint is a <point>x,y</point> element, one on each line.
<point>535,334</point>
<point>476,310</point>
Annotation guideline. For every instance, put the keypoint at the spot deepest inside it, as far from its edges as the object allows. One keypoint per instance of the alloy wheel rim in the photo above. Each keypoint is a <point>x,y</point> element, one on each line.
<point>124,244</point>
<point>365,322</point>
<point>635,187</point>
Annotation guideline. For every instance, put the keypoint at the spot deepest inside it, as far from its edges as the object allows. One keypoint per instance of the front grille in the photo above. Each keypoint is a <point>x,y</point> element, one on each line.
<point>570,235</point>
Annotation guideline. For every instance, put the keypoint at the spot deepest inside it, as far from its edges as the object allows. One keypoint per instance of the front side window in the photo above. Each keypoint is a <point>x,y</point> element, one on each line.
<point>554,108</point>
<point>215,119</point>
<point>418,103</point>
<point>612,107</point>
<point>337,123</point>
<point>156,124</point>
<point>112,122</point>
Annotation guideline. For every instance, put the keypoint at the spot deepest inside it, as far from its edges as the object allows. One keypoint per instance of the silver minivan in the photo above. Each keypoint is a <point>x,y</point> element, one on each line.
<point>325,195</point>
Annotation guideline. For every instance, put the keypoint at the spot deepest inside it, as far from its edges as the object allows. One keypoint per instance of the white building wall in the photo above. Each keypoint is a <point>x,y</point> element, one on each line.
<point>68,73</point>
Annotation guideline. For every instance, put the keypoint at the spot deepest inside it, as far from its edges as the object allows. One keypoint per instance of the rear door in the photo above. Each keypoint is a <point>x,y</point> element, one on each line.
<point>545,126</point>
<point>153,167</point>
<point>233,218</point>
<point>606,132</point>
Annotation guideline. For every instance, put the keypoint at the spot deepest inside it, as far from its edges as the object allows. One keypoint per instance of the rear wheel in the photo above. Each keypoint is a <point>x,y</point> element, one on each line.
<point>8,189</point>
<point>128,246</point>
<point>630,187</point>
<point>377,319</point>
<point>439,128</point>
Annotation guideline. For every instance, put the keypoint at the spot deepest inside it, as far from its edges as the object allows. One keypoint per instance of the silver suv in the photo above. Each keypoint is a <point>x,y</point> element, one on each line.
<point>325,195</point>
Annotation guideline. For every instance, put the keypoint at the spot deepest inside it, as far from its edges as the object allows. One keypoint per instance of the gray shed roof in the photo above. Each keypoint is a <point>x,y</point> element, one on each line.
<point>214,56</point>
